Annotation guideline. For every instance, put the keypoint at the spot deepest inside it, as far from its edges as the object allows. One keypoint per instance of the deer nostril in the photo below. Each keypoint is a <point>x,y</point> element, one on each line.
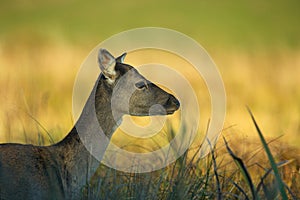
<point>173,101</point>
<point>176,102</point>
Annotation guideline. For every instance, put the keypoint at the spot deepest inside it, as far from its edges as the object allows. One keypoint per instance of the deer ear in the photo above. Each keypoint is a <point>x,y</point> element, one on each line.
<point>121,58</point>
<point>107,64</point>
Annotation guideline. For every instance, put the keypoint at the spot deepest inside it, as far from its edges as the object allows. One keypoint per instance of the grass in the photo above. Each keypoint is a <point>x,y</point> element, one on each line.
<point>255,45</point>
<point>271,159</point>
<point>192,178</point>
<point>42,94</point>
<point>214,177</point>
<point>33,81</point>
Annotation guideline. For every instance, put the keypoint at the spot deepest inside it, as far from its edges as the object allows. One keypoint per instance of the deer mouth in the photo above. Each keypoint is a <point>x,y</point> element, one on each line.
<point>157,109</point>
<point>171,105</point>
<point>166,108</point>
<point>170,112</point>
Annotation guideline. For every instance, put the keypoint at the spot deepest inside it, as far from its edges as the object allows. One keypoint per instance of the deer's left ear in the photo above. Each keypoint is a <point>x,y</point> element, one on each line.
<point>107,64</point>
<point>121,58</point>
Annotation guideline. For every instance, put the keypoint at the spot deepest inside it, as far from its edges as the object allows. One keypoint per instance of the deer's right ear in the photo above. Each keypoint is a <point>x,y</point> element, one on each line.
<point>107,64</point>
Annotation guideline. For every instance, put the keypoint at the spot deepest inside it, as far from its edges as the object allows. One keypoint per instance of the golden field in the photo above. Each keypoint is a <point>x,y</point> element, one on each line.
<point>36,103</point>
<point>255,45</point>
<point>37,83</point>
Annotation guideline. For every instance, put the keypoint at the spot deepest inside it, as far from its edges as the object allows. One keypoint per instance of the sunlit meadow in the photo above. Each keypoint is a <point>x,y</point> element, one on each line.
<point>255,46</point>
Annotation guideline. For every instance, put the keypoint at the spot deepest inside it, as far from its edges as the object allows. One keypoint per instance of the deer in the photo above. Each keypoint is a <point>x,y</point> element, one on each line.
<point>61,170</point>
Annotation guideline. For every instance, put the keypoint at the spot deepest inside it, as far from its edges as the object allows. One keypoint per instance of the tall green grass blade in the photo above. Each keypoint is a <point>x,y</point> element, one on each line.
<point>271,159</point>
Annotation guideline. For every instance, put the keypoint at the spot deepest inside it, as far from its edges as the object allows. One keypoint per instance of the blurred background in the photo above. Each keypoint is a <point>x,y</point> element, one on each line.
<point>255,44</point>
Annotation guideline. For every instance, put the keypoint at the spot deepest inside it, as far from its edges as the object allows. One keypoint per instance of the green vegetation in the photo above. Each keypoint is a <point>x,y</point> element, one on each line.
<point>230,24</point>
<point>254,43</point>
<point>193,178</point>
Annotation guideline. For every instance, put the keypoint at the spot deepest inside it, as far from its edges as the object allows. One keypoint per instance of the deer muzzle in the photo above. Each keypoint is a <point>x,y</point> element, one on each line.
<point>172,105</point>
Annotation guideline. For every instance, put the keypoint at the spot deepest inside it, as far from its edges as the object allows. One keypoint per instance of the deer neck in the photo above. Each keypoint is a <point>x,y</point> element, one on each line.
<point>89,137</point>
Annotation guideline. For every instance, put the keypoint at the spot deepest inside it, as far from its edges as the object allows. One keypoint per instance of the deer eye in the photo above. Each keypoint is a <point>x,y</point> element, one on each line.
<point>141,85</point>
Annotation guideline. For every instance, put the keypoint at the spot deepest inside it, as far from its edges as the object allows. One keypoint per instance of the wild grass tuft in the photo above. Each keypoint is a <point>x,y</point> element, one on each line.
<point>271,159</point>
<point>189,177</point>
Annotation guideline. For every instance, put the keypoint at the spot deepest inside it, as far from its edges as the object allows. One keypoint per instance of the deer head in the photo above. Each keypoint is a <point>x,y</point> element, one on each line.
<point>131,93</point>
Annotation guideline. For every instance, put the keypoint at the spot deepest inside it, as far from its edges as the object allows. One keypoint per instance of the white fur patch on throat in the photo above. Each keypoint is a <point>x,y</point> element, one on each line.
<point>110,81</point>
